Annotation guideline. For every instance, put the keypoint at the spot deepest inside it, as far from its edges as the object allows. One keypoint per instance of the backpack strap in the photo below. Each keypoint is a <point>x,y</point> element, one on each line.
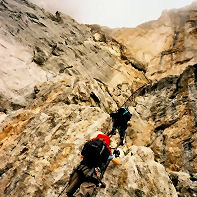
<point>103,147</point>
<point>125,112</point>
<point>91,172</point>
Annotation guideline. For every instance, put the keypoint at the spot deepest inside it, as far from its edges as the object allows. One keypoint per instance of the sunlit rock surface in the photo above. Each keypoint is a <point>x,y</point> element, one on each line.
<point>41,145</point>
<point>165,120</point>
<point>139,175</point>
<point>165,46</point>
<point>37,46</point>
<point>59,81</point>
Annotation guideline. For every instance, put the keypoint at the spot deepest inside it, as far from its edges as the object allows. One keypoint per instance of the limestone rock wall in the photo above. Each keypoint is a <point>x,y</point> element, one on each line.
<point>41,145</point>
<point>139,175</point>
<point>59,81</point>
<point>36,46</point>
<point>165,120</point>
<point>165,110</point>
<point>62,79</point>
<point>165,46</point>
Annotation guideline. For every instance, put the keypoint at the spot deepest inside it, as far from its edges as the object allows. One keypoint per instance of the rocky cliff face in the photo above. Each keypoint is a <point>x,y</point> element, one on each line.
<point>165,46</point>
<point>37,46</point>
<point>166,111</point>
<point>59,82</point>
<point>165,50</point>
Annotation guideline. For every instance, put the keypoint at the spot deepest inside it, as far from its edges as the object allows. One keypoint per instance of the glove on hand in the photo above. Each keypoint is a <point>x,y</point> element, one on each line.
<point>116,153</point>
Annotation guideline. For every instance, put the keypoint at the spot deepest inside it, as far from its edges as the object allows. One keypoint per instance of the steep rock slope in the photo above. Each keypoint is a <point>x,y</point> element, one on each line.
<point>164,118</point>
<point>167,112</point>
<point>41,144</point>
<point>37,46</point>
<point>62,79</point>
<point>165,46</point>
<point>138,168</point>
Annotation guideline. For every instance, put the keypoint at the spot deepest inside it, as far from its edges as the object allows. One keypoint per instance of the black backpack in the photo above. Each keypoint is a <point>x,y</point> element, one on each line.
<point>95,153</point>
<point>124,113</point>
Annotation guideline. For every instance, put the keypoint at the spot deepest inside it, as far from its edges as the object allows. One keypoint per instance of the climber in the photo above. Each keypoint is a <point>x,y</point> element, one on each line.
<point>96,155</point>
<point>120,120</point>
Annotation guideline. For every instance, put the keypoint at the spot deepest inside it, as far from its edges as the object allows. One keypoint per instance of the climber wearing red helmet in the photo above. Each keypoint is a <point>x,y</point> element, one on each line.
<point>96,155</point>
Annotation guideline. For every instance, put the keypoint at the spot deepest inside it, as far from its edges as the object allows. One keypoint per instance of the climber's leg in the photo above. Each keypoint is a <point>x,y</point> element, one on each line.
<point>114,127</point>
<point>122,132</point>
<point>74,184</point>
<point>86,189</point>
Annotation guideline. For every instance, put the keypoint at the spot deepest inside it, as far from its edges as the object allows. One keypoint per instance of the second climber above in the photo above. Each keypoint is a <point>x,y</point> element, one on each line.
<point>120,120</point>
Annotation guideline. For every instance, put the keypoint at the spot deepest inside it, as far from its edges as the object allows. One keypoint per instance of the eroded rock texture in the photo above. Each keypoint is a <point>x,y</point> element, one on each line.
<point>37,46</point>
<point>167,110</point>
<point>165,120</point>
<point>139,175</point>
<point>165,46</point>
<point>59,81</point>
<point>41,145</point>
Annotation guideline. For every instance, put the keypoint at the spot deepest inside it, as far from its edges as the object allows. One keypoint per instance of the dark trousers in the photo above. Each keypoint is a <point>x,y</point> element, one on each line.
<point>74,184</point>
<point>78,180</point>
<point>121,128</point>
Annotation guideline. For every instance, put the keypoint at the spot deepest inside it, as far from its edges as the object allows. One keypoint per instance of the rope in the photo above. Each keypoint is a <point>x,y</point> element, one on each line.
<point>63,190</point>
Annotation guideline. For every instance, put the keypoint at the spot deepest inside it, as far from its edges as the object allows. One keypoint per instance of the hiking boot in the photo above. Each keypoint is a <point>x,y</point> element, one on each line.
<point>103,185</point>
<point>116,153</point>
<point>121,142</point>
